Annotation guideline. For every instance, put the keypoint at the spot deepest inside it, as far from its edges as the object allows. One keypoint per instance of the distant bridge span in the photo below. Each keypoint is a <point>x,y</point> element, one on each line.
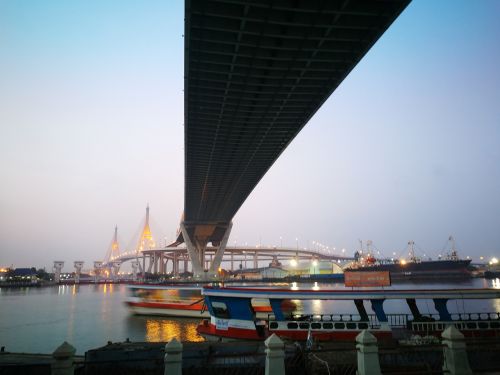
<point>255,73</point>
<point>156,260</point>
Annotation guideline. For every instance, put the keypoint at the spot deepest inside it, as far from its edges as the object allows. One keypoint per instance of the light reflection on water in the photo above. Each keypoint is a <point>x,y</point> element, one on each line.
<point>38,320</point>
<point>165,330</point>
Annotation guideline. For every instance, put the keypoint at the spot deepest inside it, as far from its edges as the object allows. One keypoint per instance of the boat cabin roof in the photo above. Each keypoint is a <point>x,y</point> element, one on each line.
<point>348,294</point>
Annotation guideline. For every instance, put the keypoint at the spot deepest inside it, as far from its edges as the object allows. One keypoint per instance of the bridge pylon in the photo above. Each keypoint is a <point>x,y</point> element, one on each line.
<point>114,249</point>
<point>146,240</point>
<point>196,238</point>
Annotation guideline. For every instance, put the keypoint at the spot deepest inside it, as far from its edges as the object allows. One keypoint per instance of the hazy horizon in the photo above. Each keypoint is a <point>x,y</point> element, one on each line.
<point>91,115</point>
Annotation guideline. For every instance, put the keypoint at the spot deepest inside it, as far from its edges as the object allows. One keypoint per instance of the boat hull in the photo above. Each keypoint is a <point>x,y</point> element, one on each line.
<point>229,330</point>
<point>426,269</point>
<point>159,309</point>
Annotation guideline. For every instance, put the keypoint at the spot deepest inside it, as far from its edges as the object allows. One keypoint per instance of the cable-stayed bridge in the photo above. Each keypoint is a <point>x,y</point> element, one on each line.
<point>148,258</point>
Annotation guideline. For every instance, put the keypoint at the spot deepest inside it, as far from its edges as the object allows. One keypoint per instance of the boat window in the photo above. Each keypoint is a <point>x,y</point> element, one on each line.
<point>474,316</point>
<point>495,325</point>
<point>273,325</point>
<point>471,325</point>
<point>339,325</point>
<point>292,325</point>
<point>484,316</point>
<point>459,326</point>
<point>327,325</point>
<point>493,316</point>
<point>363,325</point>
<point>440,327</point>
<point>304,325</point>
<point>482,325</point>
<point>316,325</point>
<point>220,310</point>
<point>351,325</point>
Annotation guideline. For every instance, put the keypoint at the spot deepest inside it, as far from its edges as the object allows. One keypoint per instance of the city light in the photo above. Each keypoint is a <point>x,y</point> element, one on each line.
<point>493,261</point>
<point>293,262</point>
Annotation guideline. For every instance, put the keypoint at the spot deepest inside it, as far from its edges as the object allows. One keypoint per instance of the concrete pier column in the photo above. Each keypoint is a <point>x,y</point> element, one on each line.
<point>186,265</point>
<point>78,270</point>
<point>275,356</point>
<point>116,269</point>
<point>135,269</point>
<point>368,362</point>
<point>143,267</point>
<point>63,360</point>
<point>97,270</point>
<point>151,261</point>
<point>58,266</point>
<point>175,265</point>
<point>255,260</point>
<point>215,264</point>
<point>232,261</point>
<point>196,250</point>
<point>173,358</point>
<point>163,269</point>
<point>455,355</point>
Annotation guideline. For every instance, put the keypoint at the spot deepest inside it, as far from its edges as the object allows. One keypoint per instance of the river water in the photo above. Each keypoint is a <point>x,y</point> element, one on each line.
<point>38,320</point>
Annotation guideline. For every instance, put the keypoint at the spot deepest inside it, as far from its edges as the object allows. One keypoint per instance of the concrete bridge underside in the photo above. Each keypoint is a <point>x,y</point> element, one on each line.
<point>255,73</point>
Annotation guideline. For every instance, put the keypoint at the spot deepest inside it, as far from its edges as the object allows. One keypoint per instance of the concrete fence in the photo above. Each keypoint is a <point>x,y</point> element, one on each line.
<point>454,351</point>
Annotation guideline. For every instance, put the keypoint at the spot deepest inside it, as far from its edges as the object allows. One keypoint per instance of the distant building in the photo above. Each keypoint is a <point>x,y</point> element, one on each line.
<point>24,274</point>
<point>314,267</point>
<point>273,273</point>
<point>18,275</point>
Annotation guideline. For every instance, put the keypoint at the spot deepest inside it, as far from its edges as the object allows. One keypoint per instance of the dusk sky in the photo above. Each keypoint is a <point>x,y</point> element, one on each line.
<point>91,120</point>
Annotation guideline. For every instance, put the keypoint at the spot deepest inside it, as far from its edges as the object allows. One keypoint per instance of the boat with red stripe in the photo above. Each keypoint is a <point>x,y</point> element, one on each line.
<point>233,318</point>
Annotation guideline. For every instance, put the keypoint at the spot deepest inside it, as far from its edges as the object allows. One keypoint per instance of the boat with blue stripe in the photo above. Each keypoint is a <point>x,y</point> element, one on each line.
<point>233,318</point>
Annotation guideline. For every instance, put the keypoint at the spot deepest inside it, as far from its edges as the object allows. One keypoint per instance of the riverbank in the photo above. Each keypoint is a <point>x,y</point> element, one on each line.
<point>131,358</point>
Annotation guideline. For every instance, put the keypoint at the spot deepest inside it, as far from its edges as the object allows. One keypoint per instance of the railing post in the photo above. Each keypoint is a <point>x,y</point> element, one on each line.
<point>455,355</point>
<point>63,360</point>
<point>368,362</point>
<point>173,358</point>
<point>275,356</point>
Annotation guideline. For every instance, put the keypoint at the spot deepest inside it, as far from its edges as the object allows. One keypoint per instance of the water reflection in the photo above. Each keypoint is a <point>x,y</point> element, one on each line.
<point>162,330</point>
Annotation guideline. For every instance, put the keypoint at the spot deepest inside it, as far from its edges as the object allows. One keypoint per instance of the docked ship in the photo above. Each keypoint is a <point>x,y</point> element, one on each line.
<point>449,267</point>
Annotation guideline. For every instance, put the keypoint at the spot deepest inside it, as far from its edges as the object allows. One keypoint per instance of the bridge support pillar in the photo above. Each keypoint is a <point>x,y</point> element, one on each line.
<point>135,268</point>
<point>196,238</point>
<point>216,262</point>
<point>58,266</point>
<point>78,270</point>
<point>196,250</point>
<point>175,265</point>
<point>97,270</point>
<point>115,269</point>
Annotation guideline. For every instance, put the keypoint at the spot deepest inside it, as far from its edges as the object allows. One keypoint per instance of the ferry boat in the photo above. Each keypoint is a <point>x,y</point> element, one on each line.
<point>180,301</point>
<point>450,267</point>
<point>232,316</point>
